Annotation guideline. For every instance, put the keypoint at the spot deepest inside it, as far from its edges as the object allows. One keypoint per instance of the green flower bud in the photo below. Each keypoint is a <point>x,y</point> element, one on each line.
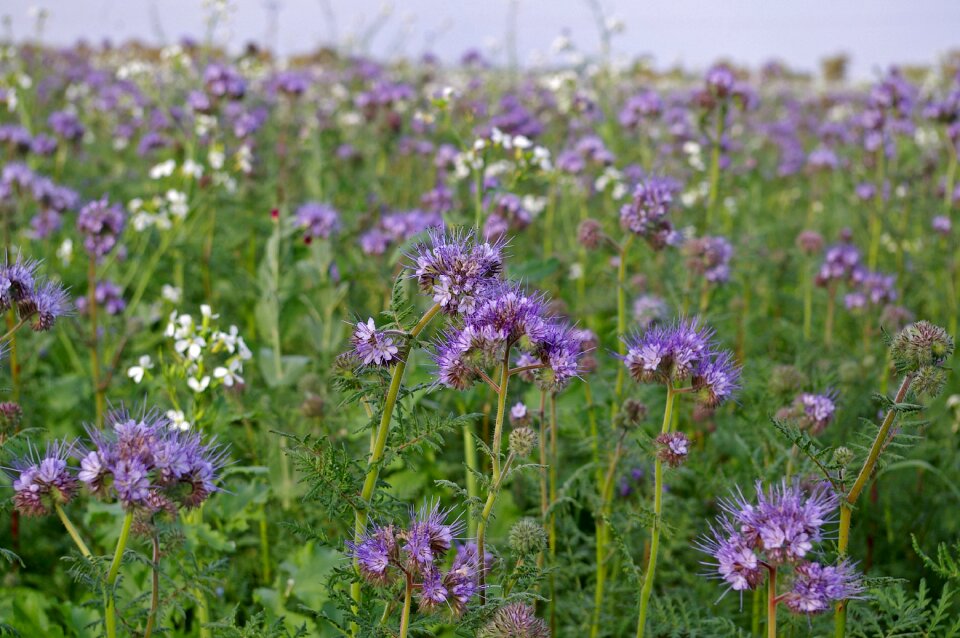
<point>527,537</point>
<point>842,456</point>
<point>928,383</point>
<point>523,440</point>
<point>920,344</point>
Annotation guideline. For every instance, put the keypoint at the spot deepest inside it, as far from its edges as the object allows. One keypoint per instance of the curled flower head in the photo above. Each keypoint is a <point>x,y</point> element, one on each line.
<point>734,560</point>
<point>668,353</point>
<point>454,268</point>
<point>372,346</point>
<point>516,620</point>
<point>42,481</point>
<point>815,411</point>
<point>709,257</point>
<point>817,587</point>
<point>375,553</point>
<point>839,264</point>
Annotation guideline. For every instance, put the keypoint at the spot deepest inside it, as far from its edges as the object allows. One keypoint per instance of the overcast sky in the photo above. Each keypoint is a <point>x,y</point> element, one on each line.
<point>875,33</point>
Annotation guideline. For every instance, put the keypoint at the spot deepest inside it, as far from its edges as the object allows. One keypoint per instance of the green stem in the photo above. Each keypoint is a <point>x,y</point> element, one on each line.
<point>757,613</point>
<point>846,505</point>
<point>657,514</point>
<point>807,304</point>
<point>621,319</point>
<point>405,616</point>
<point>72,531</point>
<point>606,499</point>
<point>877,212</point>
<point>379,444</point>
<point>552,535</point>
<point>110,615</point>
<point>154,588</point>
<point>470,456</point>
<point>497,474</point>
<point>98,391</point>
<point>772,604</point>
<point>203,613</point>
<point>714,194</point>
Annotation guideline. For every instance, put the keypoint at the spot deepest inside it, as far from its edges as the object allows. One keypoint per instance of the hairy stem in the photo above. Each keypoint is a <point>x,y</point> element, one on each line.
<point>647,588</point>
<point>98,391</point>
<point>110,614</point>
<point>405,616</point>
<point>74,534</point>
<point>154,588</point>
<point>772,604</point>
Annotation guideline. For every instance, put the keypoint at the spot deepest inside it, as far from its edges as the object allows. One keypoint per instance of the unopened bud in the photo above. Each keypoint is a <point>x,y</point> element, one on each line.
<point>522,441</point>
<point>527,537</point>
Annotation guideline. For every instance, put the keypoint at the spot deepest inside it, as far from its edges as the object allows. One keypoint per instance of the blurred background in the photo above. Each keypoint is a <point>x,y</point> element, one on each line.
<point>526,32</point>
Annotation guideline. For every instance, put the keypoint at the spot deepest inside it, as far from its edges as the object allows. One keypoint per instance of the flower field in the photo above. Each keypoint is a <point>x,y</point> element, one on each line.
<point>335,346</point>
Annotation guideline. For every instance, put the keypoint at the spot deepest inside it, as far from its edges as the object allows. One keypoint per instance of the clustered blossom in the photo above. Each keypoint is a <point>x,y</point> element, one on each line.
<point>37,301</point>
<point>394,228</point>
<point>647,212</point>
<point>141,462</point>
<point>507,213</point>
<point>456,268</point>
<point>372,346</point>
<point>781,529</point>
<point>384,553</point>
<point>505,316</point>
<point>682,351</point>
<point>648,310</point>
<point>200,348</point>
<point>815,411</point>
<point>319,221</point>
<point>101,224</point>
<point>871,288</point>
<point>709,257</point>
<point>107,295</point>
<point>839,264</point>
<point>146,464</point>
<point>41,482</point>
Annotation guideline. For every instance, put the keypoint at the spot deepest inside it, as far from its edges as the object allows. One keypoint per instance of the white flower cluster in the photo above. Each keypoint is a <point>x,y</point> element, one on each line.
<point>207,356</point>
<point>519,154</point>
<point>158,211</point>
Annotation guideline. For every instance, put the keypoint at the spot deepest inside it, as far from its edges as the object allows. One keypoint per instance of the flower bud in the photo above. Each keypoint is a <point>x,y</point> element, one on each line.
<point>527,537</point>
<point>523,440</point>
<point>929,382</point>
<point>920,344</point>
<point>590,233</point>
<point>631,414</point>
<point>842,456</point>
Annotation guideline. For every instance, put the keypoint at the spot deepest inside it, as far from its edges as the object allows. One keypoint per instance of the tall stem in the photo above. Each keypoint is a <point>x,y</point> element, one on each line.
<point>98,391</point>
<point>877,212</point>
<point>154,588</point>
<point>379,444</point>
<point>772,603</point>
<point>74,534</point>
<point>496,476</point>
<point>847,503</point>
<point>110,614</point>
<point>470,457</point>
<point>405,616</point>
<point>647,588</point>
<point>621,319</point>
<point>714,194</point>
<point>552,535</point>
<point>606,498</point>
<point>831,308</point>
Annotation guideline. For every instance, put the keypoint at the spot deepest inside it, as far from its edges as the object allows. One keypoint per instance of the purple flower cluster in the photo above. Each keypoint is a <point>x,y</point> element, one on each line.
<point>504,316</point>
<point>813,412</point>
<point>222,81</point>
<point>41,302</point>
<point>709,257</point>
<point>684,350</point>
<point>398,227</point>
<point>780,529</point>
<point>839,264</point>
<point>385,552</point>
<point>455,268</point>
<point>146,464</point>
<point>870,288</point>
<point>101,224</point>
<point>647,212</point>
<point>41,482</point>
<point>318,221</point>
<point>52,200</point>
<point>672,448</point>
<point>108,295</point>
<point>66,125</point>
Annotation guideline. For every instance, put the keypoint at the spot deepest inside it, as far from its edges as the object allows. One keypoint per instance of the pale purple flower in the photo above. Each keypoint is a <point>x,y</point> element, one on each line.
<point>372,346</point>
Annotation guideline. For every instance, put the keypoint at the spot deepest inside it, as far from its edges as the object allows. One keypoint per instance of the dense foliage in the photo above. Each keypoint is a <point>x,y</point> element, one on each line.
<point>336,346</point>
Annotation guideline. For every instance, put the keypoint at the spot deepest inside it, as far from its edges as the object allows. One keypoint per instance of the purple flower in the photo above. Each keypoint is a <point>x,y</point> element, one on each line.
<point>372,346</point>
<point>816,587</point>
<point>941,224</point>
<point>48,303</point>
<point>66,125</point>
<point>672,448</point>
<point>507,214</point>
<point>224,81</point>
<point>734,558</point>
<point>375,553</point>
<point>640,107</point>
<point>646,213</point>
<point>818,410</point>
<point>670,354</point>
<point>41,482</point>
<point>720,81</point>
<point>839,264</point>
<point>455,267</point>
<point>101,224</point>
<point>648,310</point>
<point>318,220</point>
<point>710,258</point>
